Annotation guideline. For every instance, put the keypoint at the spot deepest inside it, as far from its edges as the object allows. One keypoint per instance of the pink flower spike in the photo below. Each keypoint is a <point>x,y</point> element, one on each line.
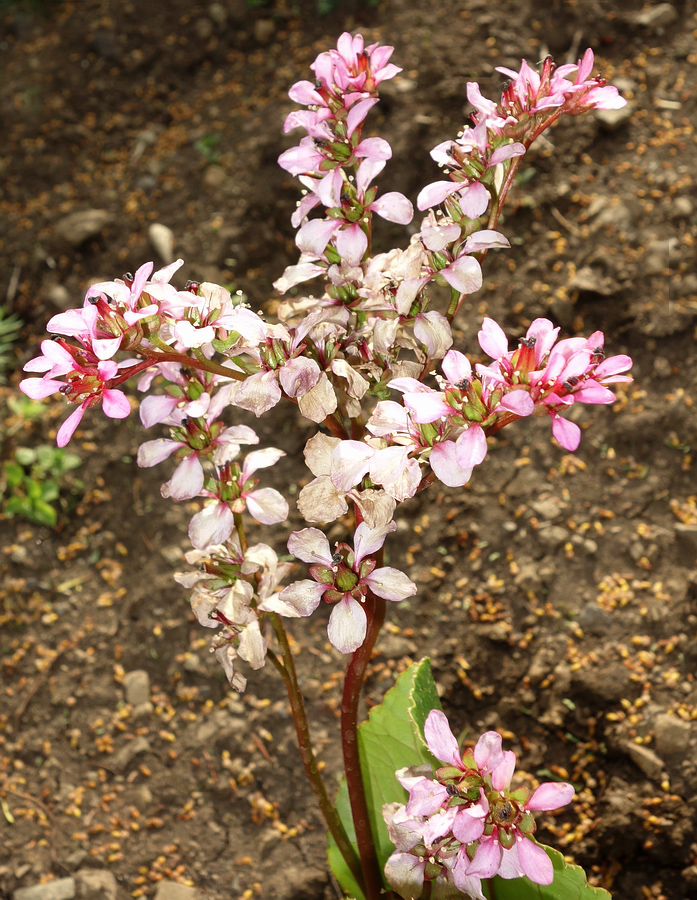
<point>440,739</point>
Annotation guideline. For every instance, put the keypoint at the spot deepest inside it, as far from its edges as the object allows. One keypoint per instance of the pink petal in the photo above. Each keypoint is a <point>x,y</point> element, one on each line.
<point>436,193</point>
<point>444,463</point>
<point>368,540</point>
<point>520,403</point>
<point>350,462</point>
<point>390,584</point>
<point>456,367</point>
<point>115,404</point>
<point>534,862</point>
<point>394,207</point>
<point>347,625</point>
<point>187,480</point>
<point>67,429</point>
<point>551,796</point>
<point>486,860</point>
<point>374,148</point>
<point>470,447</point>
<point>502,774</point>
<point>465,275</point>
<point>351,243</point>
<point>298,599</point>
<point>487,752</point>
<point>468,828</point>
<point>440,739</point>
<point>156,408</point>
<point>267,506</point>
<point>153,452</point>
<point>213,525</point>
<point>567,433</point>
<point>311,546</point>
<point>39,388</point>
<point>474,201</point>
<point>492,339</point>
<point>258,393</point>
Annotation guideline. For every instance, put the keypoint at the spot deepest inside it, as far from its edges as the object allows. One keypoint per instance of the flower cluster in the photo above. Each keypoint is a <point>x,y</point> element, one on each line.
<point>478,160</point>
<point>371,361</point>
<point>463,822</point>
<point>345,90</point>
<point>227,590</point>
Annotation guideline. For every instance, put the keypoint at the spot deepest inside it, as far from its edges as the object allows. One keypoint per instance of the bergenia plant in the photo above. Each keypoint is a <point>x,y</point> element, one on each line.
<point>368,357</point>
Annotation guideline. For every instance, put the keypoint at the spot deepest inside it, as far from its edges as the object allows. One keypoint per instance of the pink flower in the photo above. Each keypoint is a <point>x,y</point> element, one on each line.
<point>87,383</point>
<point>235,491</point>
<point>342,578</point>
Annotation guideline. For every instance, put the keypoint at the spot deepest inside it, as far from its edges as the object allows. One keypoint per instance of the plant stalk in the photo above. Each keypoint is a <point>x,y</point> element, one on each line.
<point>302,729</point>
<point>375,609</point>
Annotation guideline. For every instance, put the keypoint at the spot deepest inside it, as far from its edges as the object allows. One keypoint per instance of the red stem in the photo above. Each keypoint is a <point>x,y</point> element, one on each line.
<point>375,609</point>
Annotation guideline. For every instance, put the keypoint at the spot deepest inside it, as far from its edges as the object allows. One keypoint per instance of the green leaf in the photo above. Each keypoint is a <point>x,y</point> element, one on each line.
<point>569,884</point>
<point>43,514</point>
<point>25,456</point>
<point>14,474</point>
<point>391,739</point>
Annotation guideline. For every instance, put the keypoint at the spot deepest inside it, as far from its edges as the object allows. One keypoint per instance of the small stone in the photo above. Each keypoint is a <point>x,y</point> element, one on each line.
<point>218,13</point>
<point>392,646</point>
<point>590,546</point>
<point>672,735</point>
<point>681,208</point>
<point>662,367</point>
<point>60,889</point>
<point>499,632</point>
<point>59,296</point>
<point>172,890</point>
<point>613,119</point>
<point>553,537</point>
<point>124,757</point>
<point>81,226</point>
<point>141,797</point>
<point>96,884</point>
<point>203,28</point>
<point>656,16</point>
<point>192,663</point>
<point>143,710</point>
<point>547,507</point>
<point>136,684</point>
<point>214,177</point>
<point>687,535</point>
<point>162,241</point>
<point>648,761</point>
<point>593,619</point>
<point>264,30</point>
<point>528,577</point>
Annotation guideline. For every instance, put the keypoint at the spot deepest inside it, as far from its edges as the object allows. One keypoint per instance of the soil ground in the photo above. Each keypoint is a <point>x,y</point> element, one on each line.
<point>557,592</point>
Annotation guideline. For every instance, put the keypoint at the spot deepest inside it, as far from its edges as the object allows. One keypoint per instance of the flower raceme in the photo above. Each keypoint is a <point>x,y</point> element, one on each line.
<point>463,822</point>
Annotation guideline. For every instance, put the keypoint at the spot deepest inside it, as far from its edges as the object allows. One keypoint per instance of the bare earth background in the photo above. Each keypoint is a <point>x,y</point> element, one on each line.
<point>557,592</point>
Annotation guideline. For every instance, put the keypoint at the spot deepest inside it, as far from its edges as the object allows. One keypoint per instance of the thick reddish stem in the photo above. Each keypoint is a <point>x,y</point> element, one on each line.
<point>375,609</point>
